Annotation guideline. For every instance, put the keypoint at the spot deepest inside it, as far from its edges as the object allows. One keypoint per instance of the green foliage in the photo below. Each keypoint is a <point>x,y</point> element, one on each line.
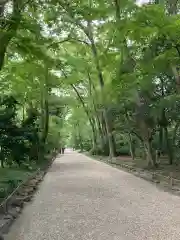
<point>10,178</point>
<point>15,138</point>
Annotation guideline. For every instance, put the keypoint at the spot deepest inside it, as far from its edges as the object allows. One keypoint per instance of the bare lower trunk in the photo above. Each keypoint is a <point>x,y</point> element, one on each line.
<point>46,122</point>
<point>109,136</point>
<point>78,137</point>
<point>103,132</point>
<point>175,133</point>
<point>101,135</point>
<point>161,139</point>
<point>131,146</point>
<point>44,116</point>
<point>94,137</point>
<point>90,118</point>
<point>149,154</point>
<point>169,146</point>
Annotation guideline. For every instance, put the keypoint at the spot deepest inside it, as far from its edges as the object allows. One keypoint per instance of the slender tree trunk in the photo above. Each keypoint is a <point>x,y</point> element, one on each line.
<point>169,146</point>
<point>100,130</point>
<point>79,137</point>
<point>177,77</point>
<point>160,148</point>
<point>110,136</point>
<point>23,112</point>
<point>44,115</point>
<point>91,120</point>
<point>94,136</point>
<point>101,136</point>
<point>46,122</point>
<point>149,153</point>
<point>97,120</point>
<point>101,82</point>
<point>175,133</point>
<point>131,146</point>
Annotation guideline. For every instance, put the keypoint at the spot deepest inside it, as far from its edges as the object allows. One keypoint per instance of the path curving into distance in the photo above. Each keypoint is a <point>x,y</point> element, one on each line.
<point>83,199</point>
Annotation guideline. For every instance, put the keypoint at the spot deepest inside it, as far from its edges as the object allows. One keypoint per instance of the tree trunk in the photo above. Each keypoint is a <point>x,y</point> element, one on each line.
<point>44,115</point>
<point>94,136</point>
<point>97,120</point>
<point>149,154</point>
<point>79,138</point>
<point>100,131</point>
<point>160,147</point>
<point>131,146</point>
<point>169,146</point>
<point>91,120</point>
<point>175,133</point>
<point>46,122</point>
<point>101,83</point>
<point>110,136</point>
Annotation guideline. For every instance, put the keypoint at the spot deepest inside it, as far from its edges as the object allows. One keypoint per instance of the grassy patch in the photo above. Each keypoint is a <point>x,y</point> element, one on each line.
<point>10,178</point>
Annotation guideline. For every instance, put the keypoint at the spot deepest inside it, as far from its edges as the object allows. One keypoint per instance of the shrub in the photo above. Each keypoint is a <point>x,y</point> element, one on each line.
<point>123,151</point>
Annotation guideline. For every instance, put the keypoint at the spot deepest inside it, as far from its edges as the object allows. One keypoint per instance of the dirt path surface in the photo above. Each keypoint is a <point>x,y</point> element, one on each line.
<point>83,199</point>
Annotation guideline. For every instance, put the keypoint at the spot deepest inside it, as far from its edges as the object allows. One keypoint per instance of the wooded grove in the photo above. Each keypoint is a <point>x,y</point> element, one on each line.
<point>100,75</point>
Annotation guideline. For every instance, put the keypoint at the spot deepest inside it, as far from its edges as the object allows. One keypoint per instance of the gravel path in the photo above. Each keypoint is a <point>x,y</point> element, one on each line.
<point>83,199</point>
